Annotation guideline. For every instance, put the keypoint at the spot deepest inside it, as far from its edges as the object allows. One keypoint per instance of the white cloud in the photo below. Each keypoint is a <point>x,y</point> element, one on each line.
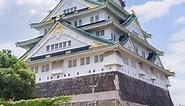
<point>175,60</point>
<point>181,20</point>
<point>155,9</point>
<point>38,7</point>
<point>2,6</point>
<point>11,46</point>
<point>177,91</point>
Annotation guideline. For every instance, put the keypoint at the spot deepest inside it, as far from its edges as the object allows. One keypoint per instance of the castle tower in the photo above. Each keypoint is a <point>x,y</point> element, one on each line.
<point>95,51</point>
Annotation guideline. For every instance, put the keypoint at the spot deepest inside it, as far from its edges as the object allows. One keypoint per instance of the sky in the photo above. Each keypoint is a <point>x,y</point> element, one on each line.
<point>164,19</point>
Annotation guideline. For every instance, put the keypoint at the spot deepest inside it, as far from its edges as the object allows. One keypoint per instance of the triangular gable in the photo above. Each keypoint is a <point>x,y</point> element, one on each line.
<point>67,4</point>
<point>133,26</point>
<point>63,28</point>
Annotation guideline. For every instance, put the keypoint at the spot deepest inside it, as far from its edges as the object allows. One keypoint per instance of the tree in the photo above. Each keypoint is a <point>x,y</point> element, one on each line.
<point>16,80</point>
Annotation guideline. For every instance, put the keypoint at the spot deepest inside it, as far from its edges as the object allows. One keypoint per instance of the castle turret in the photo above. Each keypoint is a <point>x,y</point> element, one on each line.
<point>95,51</point>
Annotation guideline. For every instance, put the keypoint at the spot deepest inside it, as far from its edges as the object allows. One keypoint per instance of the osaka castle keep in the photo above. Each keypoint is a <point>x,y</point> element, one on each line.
<point>97,53</point>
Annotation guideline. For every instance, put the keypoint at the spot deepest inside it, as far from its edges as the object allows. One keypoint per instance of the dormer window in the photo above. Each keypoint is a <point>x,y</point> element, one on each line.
<point>47,48</point>
<point>69,43</point>
<point>58,46</point>
<point>75,23</point>
<point>97,18</point>
<point>92,19</point>
<point>52,47</point>
<point>64,44</point>
<point>80,22</point>
<point>100,33</point>
<point>69,10</point>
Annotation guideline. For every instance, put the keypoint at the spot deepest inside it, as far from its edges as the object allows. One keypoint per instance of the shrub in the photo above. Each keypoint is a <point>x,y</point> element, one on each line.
<point>55,101</point>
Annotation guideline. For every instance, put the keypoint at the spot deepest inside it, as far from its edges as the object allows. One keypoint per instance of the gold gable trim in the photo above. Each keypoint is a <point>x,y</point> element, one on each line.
<point>95,45</point>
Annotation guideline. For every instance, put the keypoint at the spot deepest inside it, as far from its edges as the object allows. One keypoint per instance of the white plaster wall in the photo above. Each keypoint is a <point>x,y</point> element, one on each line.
<point>113,61</point>
<point>86,17</point>
<point>55,39</point>
<point>66,4</point>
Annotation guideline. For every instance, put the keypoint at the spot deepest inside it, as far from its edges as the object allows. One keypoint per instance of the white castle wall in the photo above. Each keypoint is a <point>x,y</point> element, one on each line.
<point>113,61</point>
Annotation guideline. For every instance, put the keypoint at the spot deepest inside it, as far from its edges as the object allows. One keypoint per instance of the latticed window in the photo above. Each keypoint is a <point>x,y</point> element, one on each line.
<point>47,68</point>
<point>70,64</point>
<point>43,68</point>
<point>82,61</point>
<point>36,69</point>
<point>102,33</point>
<point>74,63</point>
<point>87,60</point>
<point>52,47</point>
<point>75,23</point>
<point>92,19</point>
<point>80,22</point>
<point>47,48</point>
<point>69,43</point>
<point>97,18</point>
<point>96,59</point>
<point>101,58</point>
<point>56,46</point>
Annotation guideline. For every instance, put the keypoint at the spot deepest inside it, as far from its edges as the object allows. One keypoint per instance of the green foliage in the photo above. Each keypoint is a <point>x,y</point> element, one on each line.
<point>16,81</point>
<point>55,101</point>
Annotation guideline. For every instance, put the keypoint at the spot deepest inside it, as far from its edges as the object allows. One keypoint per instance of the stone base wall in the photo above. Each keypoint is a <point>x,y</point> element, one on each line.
<point>130,89</point>
<point>137,91</point>
<point>79,85</point>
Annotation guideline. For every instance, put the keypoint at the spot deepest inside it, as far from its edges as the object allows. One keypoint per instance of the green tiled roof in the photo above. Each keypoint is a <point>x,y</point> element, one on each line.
<point>97,2</point>
<point>86,34</point>
<point>129,20</point>
<point>28,42</point>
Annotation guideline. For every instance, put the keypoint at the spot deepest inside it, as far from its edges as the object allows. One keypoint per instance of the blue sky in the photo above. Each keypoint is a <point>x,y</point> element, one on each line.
<point>164,19</point>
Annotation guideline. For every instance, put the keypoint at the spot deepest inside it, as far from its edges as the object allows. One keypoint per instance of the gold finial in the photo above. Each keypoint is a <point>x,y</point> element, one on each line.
<point>58,17</point>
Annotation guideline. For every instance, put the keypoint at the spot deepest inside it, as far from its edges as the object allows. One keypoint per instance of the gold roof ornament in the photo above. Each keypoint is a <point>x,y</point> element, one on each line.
<point>95,45</point>
<point>58,17</point>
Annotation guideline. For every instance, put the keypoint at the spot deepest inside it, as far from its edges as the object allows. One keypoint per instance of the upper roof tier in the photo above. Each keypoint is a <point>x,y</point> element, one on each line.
<point>60,9</point>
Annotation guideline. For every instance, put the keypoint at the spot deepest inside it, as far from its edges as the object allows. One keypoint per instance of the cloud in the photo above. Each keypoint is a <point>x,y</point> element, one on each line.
<point>175,57</point>
<point>155,9</point>
<point>15,50</point>
<point>181,20</point>
<point>2,6</point>
<point>38,7</point>
<point>175,60</point>
<point>177,90</point>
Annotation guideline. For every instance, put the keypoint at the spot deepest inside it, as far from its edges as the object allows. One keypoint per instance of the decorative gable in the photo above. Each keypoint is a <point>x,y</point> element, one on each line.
<point>134,27</point>
<point>68,6</point>
<point>61,38</point>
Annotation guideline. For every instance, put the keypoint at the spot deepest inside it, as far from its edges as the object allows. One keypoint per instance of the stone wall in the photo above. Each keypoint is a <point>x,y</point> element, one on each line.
<point>130,89</point>
<point>137,91</point>
<point>78,85</point>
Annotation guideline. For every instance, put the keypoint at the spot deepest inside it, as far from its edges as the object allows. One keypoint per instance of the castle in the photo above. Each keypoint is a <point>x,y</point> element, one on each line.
<point>94,50</point>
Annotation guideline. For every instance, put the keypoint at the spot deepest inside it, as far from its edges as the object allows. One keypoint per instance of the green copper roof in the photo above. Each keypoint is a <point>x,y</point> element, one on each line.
<point>28,42</point>
<point>97,2</point>
<point>129,20</point>
<point>86,34</point>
